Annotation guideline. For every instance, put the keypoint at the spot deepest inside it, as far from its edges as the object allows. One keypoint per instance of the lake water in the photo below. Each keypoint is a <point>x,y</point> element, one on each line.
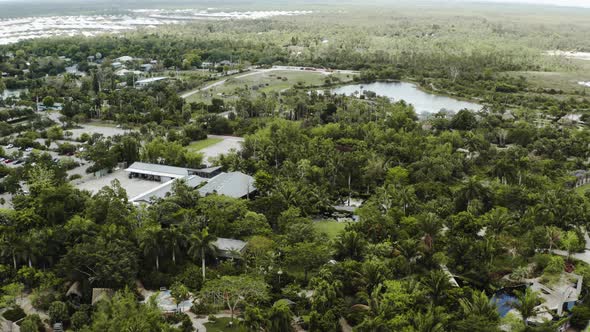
<point>422,101</point>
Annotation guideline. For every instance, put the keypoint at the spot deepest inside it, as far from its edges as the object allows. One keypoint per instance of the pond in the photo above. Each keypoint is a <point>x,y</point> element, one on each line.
<point>12,93</point>
<point>422,101</point>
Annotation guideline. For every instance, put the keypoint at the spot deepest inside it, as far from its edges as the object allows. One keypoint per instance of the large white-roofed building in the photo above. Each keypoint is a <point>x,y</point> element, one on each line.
<point>207,181</point>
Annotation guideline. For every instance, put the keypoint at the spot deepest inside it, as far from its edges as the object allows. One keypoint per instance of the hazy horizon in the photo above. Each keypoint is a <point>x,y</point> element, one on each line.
<point>568,3</point>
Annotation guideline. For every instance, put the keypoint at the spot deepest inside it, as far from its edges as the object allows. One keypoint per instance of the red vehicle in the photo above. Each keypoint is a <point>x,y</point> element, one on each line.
<point>8,161</point>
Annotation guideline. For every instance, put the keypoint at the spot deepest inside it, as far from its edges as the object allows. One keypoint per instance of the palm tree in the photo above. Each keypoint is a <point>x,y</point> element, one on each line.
<point>406,197</point>
<point>374,309</point>
<point>472,189</point>
<point>498,221</point>
<point>150,243</point>
<point>430,225</point>
<point>9,242</point>
<point>349,244</point>
<point>479,305</point>
<point>201,244</point>
<point>374,171</point>
<point>526,304</point>
<point>175,238</point>
<point>430,321</point>
<point>436,283</point>
<point>553,235</point>
<point>410,249</point>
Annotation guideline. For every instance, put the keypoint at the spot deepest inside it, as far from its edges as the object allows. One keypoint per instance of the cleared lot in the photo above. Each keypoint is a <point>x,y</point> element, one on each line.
<point>227,144</point>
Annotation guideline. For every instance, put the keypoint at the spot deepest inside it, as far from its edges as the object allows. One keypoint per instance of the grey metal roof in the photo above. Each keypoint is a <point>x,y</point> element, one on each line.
<point>234,184</point>
<point>225,244</point>
<point>159,170</point>
<point>161,191</point>
<point>209,169</point>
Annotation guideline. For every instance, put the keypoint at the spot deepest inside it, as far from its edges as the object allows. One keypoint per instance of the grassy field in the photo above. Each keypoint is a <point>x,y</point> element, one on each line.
<point>221,325</point>
<point>331,228</point>
<point>567,81</point>
<point>200,145</point>
<point>267,82</point>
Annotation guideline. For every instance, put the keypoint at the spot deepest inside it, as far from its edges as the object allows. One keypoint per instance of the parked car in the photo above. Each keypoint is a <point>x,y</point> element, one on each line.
<point>10,146</point>
<point>2,159</point>
<point>29,149</point>
<point>18,162</point>
<point>8,161</point>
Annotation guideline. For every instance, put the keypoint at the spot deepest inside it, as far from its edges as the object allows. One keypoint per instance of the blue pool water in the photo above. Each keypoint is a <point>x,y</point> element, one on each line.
<point>503,301</point>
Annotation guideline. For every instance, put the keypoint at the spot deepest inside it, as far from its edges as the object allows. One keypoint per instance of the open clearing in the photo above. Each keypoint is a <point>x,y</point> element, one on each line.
<point>222,325</point>
<point>267,81</point>
<point>199,145</point>
<point>567,81</point>
<point>331,228</point>
<point>224,145</point>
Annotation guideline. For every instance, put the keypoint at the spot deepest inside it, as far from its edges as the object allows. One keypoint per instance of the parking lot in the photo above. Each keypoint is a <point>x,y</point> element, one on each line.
<point>103,130</point>
<point>133,186</point>
<point>16,154</point>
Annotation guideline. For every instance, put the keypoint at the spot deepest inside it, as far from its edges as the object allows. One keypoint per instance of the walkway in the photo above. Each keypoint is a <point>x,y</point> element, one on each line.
<point>582,256</point>
<point>199,323</point>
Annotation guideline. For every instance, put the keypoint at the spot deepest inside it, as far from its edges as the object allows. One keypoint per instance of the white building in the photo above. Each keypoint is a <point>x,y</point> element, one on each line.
<point>147,81</point>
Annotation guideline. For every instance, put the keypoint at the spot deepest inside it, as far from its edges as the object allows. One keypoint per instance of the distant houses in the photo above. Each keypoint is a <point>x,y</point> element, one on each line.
<point>125,59</point>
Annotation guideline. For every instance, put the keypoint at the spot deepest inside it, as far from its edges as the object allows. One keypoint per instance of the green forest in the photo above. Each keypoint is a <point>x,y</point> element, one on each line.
<point>367,215</point>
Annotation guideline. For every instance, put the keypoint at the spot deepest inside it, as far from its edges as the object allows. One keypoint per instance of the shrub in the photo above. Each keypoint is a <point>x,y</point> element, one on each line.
<point>13,314</point>
<point>191,277</point>
<point>74,177</point>
<point>202,308</point>
<point>157,279</point>
<point>79,319</point>
<point>580,316</point>
<point>187,324</point>
<point>32,323</point>
<point>212,318</point>
<point>42,299</point>
<point>541,261</point>
<point>58,311</point>
<point>555,266</point>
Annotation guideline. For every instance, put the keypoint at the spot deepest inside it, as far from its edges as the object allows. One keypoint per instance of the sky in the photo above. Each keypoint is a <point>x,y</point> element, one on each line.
<point>573,3</point>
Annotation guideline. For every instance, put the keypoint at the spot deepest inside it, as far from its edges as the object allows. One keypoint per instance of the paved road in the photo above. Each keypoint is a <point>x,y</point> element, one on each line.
<point>261,71</point>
